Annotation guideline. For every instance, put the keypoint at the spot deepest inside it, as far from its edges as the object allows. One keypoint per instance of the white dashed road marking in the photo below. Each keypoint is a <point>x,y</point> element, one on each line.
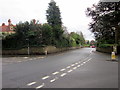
<point>82,64</point>
<point>45,77</point>
<point>40,86</point>
<point>25,57</point>
<point>75,68</point>
<point>52,80</point>
<point>89,59</point>
<point>76,63</point>
<point>70,71</point>
<point>55,73</point>
<point>63,74</point>
<point>68,67</point>
<point>78,66</point>
<point>31,83</point>
<point>73,65</point>
<point>62,70</point>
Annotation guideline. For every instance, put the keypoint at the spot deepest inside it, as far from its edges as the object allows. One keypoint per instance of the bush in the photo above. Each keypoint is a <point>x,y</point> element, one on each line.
<point>87,45</point>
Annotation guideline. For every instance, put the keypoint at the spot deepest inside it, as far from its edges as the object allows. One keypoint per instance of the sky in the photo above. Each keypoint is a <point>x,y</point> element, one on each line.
<point>72,13</point>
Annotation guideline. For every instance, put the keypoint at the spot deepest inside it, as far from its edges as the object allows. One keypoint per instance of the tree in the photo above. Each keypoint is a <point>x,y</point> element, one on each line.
<point>29,33</point>
<point>54,19</point>
<point>47,34</point>
<point>26,33</point>
<point>76,39</point>
<point>82,39</point>
<point>105,16</point>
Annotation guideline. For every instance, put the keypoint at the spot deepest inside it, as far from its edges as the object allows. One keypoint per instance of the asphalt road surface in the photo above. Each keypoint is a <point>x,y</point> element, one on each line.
<point>81,68</point>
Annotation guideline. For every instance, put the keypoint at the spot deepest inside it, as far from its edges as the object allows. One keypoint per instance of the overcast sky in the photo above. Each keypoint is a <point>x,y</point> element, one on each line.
<point>72,13</point>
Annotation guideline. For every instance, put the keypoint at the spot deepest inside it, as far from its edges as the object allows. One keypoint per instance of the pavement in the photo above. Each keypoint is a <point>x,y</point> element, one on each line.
<point>81,68</point>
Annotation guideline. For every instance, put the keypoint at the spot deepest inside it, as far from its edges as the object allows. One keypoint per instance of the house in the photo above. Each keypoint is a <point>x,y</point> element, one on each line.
<point>7,29</point>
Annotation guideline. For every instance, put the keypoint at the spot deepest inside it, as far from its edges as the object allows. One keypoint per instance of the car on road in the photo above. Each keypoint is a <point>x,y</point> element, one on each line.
<point>93,46</point>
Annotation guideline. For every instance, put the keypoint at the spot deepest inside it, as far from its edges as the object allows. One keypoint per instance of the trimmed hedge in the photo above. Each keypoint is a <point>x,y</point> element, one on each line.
<point>105,50</point>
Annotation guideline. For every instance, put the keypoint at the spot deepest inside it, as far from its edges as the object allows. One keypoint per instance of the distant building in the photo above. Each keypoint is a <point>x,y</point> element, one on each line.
<point>7,29</point>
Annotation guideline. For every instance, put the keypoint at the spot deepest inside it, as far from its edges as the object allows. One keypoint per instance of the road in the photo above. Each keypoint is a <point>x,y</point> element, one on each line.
<point>81,68</point>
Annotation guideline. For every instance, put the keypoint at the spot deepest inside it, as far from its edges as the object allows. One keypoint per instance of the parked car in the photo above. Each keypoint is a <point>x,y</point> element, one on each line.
<point>93,46</point>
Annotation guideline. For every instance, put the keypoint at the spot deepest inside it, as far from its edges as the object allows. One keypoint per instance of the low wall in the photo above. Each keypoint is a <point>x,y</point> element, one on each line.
<point>108,49</point>
<point>36,50</point>
<point>53,49</point>
<point>23,51</point>
<point>105,50</point>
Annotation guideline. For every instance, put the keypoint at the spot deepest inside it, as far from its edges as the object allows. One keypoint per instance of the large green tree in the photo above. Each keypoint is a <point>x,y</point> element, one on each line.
<point>105,24</point>
<point>76,39</point>
<point>54,19</point>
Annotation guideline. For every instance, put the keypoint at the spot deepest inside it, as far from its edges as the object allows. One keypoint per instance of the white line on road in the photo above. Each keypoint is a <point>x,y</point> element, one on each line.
<point>73,65</point>
<point>55,73</point>
<point>91,51</point>
<point>52,80</point>
<point>68,67</point>
<point>75,68</point>
<point>78,65</point>
<point>62,69</point>
<point>45,77</point>
<point>25,57</point>
<point>31,83</point>
<point>82,64</point>
<point>63,74</point>
<point>89,59</point>
<point>70,71</point>
<point>40,86</point>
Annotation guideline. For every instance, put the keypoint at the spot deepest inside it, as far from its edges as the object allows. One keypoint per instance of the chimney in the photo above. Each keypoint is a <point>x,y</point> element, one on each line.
<point>3,24</point>
<point>9,22</point>
<point>34,21</point>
